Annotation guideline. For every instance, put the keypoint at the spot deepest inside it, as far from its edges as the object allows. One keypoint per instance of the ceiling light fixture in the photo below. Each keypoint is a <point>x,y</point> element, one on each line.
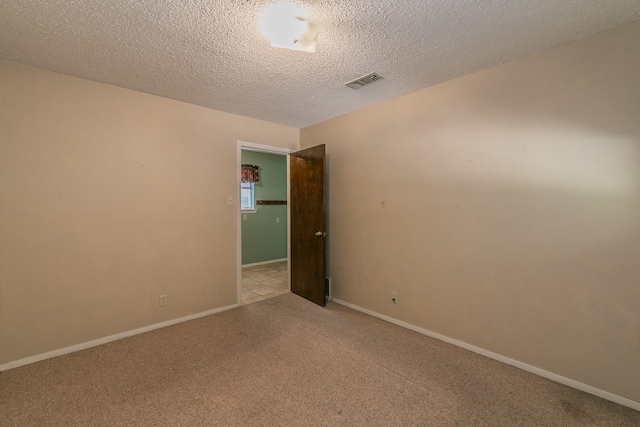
<point>286,25</point>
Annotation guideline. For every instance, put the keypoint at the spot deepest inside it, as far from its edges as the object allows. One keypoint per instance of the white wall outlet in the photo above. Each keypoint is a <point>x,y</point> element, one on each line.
<point>277,220</point>
<point>394,297</point>
<point>163,300</point>
<point>229,200</point>
<point>244,217</point>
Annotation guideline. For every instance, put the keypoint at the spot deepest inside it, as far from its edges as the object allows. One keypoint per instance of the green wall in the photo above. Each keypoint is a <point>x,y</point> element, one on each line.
<point>262,238</point>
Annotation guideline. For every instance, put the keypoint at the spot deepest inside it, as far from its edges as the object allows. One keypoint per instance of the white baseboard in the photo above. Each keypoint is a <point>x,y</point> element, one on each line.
<point>272,261</point>
<point>525,367</point>
<point>110,338</point>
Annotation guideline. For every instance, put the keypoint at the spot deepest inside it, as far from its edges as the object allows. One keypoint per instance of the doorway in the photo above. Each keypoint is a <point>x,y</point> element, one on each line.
<point>305,225</point>
<point>263,228</point>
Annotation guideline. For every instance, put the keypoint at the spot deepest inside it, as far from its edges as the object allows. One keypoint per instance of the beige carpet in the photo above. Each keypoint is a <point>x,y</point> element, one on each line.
<point>287,362</point>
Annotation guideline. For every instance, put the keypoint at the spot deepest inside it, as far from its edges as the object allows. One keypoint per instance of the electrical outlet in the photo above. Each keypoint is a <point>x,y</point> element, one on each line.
<point>394,297</point>
<point>277,220</point>
<point>163,300</point>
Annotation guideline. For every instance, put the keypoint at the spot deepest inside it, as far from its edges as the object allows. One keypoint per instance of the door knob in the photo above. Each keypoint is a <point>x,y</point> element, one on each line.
<point>321,234</point>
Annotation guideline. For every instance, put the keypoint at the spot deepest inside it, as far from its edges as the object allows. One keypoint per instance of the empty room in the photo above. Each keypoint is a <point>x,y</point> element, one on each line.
<point>320,213</point>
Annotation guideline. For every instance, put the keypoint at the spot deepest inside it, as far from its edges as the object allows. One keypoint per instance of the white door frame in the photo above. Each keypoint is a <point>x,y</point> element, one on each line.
<point>243,145</point>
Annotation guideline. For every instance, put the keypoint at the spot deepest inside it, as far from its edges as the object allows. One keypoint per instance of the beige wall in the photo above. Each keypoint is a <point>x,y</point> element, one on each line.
<point>512,209</point>
<point>109,198</point>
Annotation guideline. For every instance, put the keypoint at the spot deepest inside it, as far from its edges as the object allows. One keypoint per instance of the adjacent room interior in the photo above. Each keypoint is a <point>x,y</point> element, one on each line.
<point>482,188</point>
<point>264,228</point>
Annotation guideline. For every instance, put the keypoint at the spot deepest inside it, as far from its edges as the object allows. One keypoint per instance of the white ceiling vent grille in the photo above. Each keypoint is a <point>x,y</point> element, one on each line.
<point>364,80</point>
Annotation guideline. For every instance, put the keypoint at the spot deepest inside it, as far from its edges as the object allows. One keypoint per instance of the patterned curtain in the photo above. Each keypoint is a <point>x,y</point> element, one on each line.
<point>250,174</point>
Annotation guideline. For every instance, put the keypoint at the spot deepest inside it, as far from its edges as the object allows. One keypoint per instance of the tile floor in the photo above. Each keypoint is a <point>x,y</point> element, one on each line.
<point>264,281</point>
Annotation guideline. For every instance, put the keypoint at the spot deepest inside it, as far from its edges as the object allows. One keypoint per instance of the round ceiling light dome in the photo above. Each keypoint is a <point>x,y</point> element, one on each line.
<point>286,25</point>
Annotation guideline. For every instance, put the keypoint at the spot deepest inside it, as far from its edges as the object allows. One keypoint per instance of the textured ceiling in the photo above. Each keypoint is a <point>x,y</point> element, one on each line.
<point>211,52</point>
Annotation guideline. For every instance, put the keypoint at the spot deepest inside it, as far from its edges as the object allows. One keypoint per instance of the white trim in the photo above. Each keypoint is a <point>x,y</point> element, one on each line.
<point>265,262</point>
<point>525,367</point>
<point>251,146</point>
<point>243,145</point>
<point>108,339</point>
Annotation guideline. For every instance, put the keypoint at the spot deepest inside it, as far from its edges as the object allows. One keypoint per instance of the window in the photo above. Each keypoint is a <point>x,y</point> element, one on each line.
<point>247,196</point>
<point>249,176</point>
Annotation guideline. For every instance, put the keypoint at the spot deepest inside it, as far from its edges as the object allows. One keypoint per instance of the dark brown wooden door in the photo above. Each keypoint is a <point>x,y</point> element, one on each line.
<point>308,224</point>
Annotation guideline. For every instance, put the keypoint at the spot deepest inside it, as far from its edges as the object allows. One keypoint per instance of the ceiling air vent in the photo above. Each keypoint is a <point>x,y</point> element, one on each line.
<point>364,80</point>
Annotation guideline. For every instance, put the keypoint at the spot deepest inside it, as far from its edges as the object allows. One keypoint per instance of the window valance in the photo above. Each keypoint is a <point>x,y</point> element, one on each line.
<point>250,174</point>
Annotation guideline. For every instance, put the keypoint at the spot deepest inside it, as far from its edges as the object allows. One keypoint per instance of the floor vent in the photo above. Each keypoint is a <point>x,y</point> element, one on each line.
<point>364,80</point>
